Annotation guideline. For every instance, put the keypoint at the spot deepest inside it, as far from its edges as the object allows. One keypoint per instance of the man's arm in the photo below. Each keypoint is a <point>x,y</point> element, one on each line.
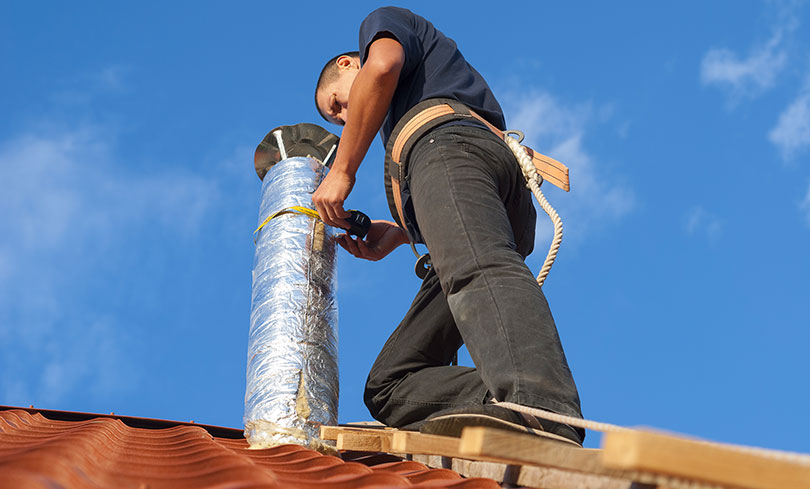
<point>369,99</point>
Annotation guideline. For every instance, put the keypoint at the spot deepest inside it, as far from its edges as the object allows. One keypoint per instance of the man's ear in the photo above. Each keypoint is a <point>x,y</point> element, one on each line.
<point>346,62</point>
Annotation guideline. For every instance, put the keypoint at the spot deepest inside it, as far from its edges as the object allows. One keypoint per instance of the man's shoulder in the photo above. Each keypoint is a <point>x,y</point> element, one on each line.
<point>391,11</point>
<point>401,24</point>
<point>396,15</point>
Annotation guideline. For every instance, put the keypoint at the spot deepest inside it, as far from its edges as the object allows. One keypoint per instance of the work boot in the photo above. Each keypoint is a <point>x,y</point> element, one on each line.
<point>451,422</point>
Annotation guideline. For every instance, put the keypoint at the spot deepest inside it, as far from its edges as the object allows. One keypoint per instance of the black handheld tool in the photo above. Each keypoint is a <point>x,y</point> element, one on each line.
<point>359,224</point>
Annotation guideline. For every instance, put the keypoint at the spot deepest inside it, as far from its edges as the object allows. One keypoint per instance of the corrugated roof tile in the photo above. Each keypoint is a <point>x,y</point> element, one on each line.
<point>85,452</point>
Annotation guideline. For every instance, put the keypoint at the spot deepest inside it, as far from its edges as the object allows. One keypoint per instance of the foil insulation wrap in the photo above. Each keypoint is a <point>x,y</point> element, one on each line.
<point>292,367</point>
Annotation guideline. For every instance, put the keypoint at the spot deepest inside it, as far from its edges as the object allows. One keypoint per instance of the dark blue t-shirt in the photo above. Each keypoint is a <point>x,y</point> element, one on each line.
<point>433,68</point>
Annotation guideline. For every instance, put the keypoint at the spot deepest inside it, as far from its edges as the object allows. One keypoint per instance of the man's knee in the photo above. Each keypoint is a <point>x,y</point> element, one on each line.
<point>378,396</point>
<point>374,395</point>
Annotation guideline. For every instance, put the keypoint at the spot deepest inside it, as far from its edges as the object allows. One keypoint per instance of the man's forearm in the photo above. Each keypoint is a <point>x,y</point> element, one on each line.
<point>369,99</point>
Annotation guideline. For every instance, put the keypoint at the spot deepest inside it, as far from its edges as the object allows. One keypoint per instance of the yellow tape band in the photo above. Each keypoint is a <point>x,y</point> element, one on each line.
<point>296,209</point>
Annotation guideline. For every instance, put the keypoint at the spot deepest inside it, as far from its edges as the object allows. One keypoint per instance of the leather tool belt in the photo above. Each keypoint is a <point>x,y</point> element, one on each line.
<point>417,122</point>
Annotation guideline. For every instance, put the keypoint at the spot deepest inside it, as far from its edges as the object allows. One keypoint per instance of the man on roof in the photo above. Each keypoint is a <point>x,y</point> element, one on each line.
<point>462,195</point>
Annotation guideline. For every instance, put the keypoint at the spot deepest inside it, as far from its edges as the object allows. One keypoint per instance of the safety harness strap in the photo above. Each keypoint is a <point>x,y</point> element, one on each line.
<point>420,120</point>
<point>552,170</point>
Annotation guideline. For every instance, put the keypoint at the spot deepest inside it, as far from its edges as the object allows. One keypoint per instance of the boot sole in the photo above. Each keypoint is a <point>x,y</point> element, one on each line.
<point>453,424</point>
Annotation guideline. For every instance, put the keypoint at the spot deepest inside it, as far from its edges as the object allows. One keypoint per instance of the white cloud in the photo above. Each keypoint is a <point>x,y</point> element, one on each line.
<point>45,362</point>
<point>69,206</point>
<point>598,198</point>
<point>700,222</point>
<point>84,88</point>
<point>112,78</point>
<point>67,186</point>
<point>804,206</point>
<point>746,77</point>
<point>792,131</point>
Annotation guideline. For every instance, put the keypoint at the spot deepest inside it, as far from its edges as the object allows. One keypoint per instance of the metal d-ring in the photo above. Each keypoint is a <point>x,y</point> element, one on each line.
<point>423,266</point>
<point>519,134</point>
<point>423,263</point>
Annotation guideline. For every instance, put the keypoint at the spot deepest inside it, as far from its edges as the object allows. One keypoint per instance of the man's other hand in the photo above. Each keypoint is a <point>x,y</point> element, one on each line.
<point>383,238</point>
<point>330,196</point>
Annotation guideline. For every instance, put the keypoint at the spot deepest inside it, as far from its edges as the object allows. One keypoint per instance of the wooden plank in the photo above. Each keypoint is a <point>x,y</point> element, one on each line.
<point>517,448</point>
<point>495,458</point>
<point>445,452</point>
<point>526,476</point>
<point>329,432</point>
<point>361,442</point>
<point>332,432</point>
<point>360,439</point>
<point>415,442</point>
<point>720,464</point>
<point>406,441</point>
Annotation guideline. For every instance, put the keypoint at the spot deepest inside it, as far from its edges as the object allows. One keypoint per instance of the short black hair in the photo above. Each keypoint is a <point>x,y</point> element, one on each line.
<point>329,73</point>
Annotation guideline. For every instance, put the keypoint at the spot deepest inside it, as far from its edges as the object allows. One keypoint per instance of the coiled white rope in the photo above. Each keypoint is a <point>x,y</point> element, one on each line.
<point>533,181</point>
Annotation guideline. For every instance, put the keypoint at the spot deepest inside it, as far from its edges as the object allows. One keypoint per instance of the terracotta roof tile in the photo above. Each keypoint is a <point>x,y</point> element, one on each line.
<point>82,451</point>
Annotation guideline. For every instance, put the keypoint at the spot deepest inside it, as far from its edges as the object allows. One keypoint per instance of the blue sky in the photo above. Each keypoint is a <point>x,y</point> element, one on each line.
<point>128,199</point>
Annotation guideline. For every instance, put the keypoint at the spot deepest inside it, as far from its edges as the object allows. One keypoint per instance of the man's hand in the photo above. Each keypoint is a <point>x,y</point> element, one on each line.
<point>383,238</point>
<point>330,196</point>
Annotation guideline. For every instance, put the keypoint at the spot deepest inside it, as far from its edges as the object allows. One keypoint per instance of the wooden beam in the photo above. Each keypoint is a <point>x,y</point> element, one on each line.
<point>331,432</point>
<point>415,442</point>
<point>360,442</point>
<point>517,448</point>
<point>360,439</point>
<point>445,452</point>
<point>526,475</point>
<point>692,459</point>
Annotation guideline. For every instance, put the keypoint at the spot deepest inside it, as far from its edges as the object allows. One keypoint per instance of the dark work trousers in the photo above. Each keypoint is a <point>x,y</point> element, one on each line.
<point>477,220</point>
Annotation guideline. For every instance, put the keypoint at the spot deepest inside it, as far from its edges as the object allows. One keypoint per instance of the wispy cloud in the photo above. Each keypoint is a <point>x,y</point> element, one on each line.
<point>68,186</point>
<point>746,76</point>
<point>112,78</point>
<point>749,76</point>
<point>804,206</point>
<point>791,134</point>
<point>758,72</point>
<point>68,207</point>
<point>84,89</point>
<point>700,222</point>
<point>598,198</point>
<point>64,356</point>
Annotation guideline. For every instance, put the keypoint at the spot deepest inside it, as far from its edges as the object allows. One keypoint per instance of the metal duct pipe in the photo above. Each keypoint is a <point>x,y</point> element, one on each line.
<point>292,368</point>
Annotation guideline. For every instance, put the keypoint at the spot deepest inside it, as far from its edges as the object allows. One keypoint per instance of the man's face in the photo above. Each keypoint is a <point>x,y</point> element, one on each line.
<point>333,98</point>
